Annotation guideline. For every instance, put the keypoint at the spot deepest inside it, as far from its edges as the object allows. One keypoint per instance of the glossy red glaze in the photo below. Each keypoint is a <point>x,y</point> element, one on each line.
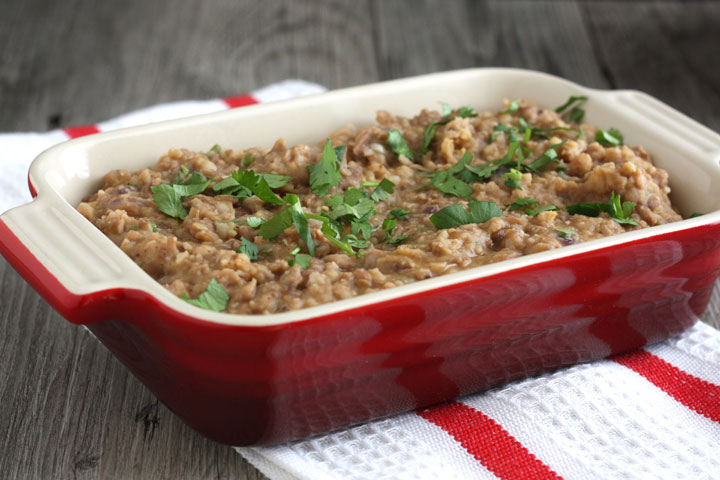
<point>260,385</point>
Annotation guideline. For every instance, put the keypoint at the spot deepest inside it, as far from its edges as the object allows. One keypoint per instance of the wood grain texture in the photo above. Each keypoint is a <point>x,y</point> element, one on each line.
<point>70,410</point>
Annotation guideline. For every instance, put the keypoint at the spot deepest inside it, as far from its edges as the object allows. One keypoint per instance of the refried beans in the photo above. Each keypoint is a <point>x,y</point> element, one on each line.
<point>377,218</point>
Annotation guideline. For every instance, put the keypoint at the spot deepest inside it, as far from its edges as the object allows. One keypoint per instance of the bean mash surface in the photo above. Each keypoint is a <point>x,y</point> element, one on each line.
<point>260,231</point>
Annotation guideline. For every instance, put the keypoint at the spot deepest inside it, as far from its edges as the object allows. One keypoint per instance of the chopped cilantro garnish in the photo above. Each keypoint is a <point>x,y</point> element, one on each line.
<point>254,222</point>
<point>248,160</point>
<point>302,259</point>
<point>456,215</point>
<point>549,156</point>
<point>132,227</point>
<point>565,232</point>
<point>570,101</point>
<point>696,214</point>
<point>399,213</point>
<point>512,177</point>
<point>389,225</point>
<point>244,183</point>
<point>466,112</point>
<point>522,202</point>
<point>168,197</point>
<point>214,297</point>
<point>216,149</point>
<point>153,226</point>
<point>576,115</point>
<point>398,145</point>
<point>428,137</point>
<point>527,204</point>
<point>446,109</point>
<point>384,188</point>
<point>326,173</point>
<point>300,221</point>
<point>609,138</point>
<point>249,249</point>
<point>276,225</point>
<point>620,212</point>
<point>513,107</point>
<point>533,212</point>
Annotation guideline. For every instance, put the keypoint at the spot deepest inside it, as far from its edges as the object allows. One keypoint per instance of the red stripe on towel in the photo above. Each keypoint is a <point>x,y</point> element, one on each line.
<point>488,442</point>
<point>240,101</point>
<point>81,130</point>
<point>693,392</point>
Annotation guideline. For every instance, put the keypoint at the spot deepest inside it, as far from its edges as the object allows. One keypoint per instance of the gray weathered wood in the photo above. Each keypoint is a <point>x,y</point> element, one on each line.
<point>70,410</point>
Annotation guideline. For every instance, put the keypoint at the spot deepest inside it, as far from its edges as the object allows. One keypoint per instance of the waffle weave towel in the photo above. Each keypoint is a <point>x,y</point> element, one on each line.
<point>649,414</point>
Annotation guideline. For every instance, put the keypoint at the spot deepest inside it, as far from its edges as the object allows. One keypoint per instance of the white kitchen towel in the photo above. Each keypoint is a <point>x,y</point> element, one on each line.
<point>649,414</point>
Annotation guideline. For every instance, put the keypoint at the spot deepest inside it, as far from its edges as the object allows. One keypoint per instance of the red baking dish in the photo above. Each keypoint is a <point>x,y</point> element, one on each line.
<point>247,380</point>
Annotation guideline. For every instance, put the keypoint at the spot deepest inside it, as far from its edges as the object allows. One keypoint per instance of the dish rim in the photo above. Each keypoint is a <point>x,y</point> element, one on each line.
<point>141,281</point>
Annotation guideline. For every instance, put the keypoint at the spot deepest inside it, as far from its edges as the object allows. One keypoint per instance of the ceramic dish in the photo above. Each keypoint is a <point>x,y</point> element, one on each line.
<point>265,379</point>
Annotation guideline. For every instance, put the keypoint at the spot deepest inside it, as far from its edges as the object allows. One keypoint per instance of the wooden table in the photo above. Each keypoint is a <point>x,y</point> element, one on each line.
<point>69,409</point>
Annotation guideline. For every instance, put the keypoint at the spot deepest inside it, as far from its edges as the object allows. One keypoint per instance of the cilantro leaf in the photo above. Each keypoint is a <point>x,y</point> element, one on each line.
<point>576,115</point>
<point>610,138</point>
<point>522,202</point>
<point>428,137</point>
<point>244,183</point>
<point>466,112</point>
<point>302,259</point>
<point>216,149</point>
<point>254,222</point>
<point>513,107</point>
<point>446,109</point>
<point>326,173</point>
<point>399,213</point>
<point>398,145</point>
<point>300,221</point>
<point>276,225</point>
<point>618,211</point>
<point>549,156</point>
<point>214,297</point>
<point>533,212</point>
<point>569,102</point>
<point>565,232</point>
<point>382,191</point>
<point>248,160</point>
<point>249,249</point>
<point>513,176</point>
<point>168,200</point>
<point>456,215</point>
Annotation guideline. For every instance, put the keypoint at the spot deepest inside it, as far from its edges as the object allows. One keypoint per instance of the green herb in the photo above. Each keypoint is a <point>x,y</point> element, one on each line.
<point>513,176</point>
<point>428,137</point>
<point>248,160</point>
<point>369,184</point>
<point>254,222</point>
<point>446,109</point>
<point>565,232</point>
<point>214,297</point>
<point>382,191</point>
<point>522,202</point>
<point>300,221</point>
<point>549,156</point>
<point>576,115</point>
<point>696,215</point>
<point>561,171</point>
<point>244,183</point>
<point>132,227</point>
<point>513,108</point>
<point>154,227</point>
<point>276,225</point>
<point>249,249</point>
<point>326,173</point>
<point>610,138</point>
<point>620,212</point>
<point>168,197</point>
<point>570,101</point>
<point>456,215</point>
<point>533,212</point>
<point>398,145</point>
<point>399,213</point>
<point>215,149</point>
<point>302,259</point>
<point>389,225</point>
<point>466,112</point>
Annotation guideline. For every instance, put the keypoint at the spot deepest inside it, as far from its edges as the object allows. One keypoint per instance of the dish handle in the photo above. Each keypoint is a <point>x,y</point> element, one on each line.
<point>53,255</point>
